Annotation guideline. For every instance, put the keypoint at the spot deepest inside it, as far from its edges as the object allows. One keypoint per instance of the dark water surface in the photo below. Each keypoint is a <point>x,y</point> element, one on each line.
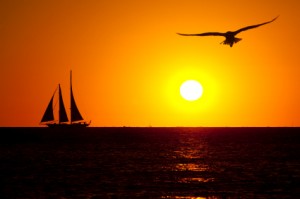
<point>189,163</point>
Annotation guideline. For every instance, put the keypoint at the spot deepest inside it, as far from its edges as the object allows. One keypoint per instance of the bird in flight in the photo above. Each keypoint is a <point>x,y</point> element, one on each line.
<point>230,35</point>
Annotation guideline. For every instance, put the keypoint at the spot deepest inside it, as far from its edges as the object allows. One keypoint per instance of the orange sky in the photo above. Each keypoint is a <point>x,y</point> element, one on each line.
<point>128,62</point>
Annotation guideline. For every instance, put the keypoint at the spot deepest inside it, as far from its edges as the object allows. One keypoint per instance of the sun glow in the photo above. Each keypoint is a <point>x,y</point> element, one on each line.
<point>191,90</point>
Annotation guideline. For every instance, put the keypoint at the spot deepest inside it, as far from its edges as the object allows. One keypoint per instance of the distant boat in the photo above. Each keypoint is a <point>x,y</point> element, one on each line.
<point>76,120</point>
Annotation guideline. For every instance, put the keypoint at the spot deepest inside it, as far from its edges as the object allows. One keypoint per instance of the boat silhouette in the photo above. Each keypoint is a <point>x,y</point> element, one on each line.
<point>76,120</point>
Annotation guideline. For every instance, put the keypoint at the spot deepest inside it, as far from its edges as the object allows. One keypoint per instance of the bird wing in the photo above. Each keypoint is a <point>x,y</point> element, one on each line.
<point>204,34</point>
<point>254,26</point>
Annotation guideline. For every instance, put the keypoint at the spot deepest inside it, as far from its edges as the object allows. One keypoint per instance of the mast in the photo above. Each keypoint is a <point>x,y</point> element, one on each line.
<point>71,97</point>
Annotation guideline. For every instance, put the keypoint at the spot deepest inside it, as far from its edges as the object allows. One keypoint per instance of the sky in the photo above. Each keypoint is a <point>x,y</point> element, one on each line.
<point>128,62</point>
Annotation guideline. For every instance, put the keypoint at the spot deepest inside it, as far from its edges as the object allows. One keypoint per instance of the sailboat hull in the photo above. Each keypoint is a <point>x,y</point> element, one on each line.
<point>65,125</point>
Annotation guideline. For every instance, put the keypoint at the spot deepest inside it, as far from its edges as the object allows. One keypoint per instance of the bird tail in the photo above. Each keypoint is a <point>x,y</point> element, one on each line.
<point>228,42</point>
<point>237,40</point>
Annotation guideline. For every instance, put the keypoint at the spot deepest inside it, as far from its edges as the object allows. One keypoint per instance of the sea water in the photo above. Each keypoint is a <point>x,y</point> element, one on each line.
<point>92,163</point>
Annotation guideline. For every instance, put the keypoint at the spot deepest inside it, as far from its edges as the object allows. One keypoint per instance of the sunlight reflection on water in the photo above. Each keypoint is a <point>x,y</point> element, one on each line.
<point>189,180</point>
<point>191,167</point>
<point>190,197</point>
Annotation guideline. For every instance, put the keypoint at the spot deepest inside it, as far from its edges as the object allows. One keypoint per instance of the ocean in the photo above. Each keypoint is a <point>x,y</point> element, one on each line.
<point>125,162</point>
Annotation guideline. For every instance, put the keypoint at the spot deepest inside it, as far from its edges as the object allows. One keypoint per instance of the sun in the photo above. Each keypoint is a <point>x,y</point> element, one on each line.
<point>191,90</point>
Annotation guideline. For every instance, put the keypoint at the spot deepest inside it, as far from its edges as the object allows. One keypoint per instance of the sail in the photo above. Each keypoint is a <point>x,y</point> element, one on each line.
<point>62,111</point>
<point>75,114</point>
<point>48,115</point>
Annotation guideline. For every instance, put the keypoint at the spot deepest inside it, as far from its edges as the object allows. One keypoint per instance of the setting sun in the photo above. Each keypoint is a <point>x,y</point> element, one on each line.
<point>191,90</point>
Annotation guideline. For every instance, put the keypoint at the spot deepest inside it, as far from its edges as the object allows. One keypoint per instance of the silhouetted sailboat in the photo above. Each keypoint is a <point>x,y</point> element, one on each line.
<point>76,120</point>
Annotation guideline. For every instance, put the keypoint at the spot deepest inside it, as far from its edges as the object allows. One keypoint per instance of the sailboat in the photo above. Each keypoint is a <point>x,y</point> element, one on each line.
<point>76,120</point>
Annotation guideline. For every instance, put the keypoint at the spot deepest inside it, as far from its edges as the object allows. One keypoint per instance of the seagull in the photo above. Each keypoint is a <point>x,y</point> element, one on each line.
<point>230,35</point>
